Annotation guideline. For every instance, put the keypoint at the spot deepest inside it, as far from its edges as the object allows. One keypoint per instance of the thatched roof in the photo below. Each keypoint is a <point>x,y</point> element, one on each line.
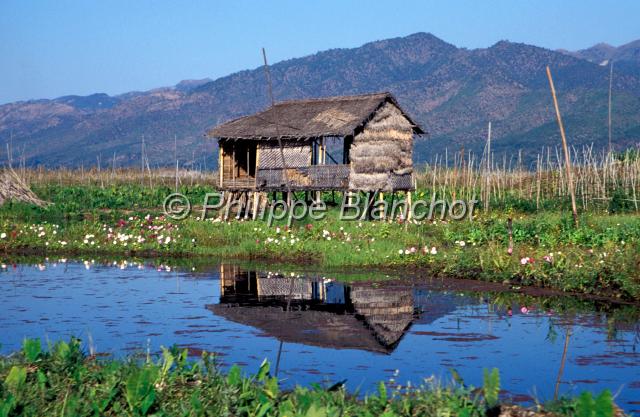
<point>309,327</point>
<point>311,118</point>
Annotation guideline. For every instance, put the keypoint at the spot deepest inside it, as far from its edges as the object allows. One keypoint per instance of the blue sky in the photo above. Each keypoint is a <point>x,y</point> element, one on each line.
<point>59,47</point>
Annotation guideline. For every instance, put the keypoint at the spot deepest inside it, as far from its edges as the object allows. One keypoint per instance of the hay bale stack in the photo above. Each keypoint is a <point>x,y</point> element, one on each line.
<point>382,151</point>
<point>12,188</point>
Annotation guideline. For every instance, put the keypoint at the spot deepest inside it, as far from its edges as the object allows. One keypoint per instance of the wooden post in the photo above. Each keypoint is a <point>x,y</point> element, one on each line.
<point>255,171</point>
<point>381,199</point>
<point>256,200</point>
<point>233,163</point>
<point>567,160</point>
<point>409,205</point>
<point>220,164</point>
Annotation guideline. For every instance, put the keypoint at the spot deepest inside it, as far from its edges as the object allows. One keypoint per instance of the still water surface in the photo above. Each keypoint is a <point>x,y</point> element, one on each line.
<point>315,328</point>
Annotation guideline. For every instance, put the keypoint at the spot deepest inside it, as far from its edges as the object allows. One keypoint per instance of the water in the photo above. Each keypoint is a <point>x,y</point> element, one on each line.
<point>318,329</point>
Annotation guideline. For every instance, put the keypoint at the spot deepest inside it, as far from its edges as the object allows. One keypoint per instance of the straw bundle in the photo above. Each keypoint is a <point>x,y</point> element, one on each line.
<point>382,149</point>
<point>12,188</point>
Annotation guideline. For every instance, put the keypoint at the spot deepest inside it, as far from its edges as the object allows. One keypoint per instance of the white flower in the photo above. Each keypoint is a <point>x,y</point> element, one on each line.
<point>167,240</point>
<point>400,252</point>
<point>3,235</point>
<point>434,251</point>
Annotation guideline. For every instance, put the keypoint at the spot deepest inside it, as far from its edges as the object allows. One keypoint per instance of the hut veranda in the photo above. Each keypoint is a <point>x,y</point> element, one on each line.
<point>347,144</point>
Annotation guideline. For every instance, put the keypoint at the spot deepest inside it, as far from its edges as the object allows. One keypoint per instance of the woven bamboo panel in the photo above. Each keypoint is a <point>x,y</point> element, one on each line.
<point>295,155</point>
<point>316,177</point>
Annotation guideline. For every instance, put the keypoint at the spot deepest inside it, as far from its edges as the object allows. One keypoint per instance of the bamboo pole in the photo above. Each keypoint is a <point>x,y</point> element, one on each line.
<point>488,185</point>
<point>610,85</point>
<point>567,160</point>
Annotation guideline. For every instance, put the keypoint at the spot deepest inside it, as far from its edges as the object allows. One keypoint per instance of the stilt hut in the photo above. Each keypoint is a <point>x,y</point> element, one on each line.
<point>348,143</point>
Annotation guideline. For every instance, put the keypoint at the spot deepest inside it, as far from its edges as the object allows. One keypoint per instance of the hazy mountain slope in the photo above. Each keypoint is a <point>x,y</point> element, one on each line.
<point>602,53</point>
<point>452,92</point>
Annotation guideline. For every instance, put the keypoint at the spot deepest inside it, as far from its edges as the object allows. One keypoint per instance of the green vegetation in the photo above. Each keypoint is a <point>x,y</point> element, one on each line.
<point>64,381</point>
<point>95,213</point>
<point>600,256</point>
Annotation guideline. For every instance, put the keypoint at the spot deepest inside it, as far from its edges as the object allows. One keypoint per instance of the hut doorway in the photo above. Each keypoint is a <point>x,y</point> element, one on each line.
<point>246,159</point>
<point>239,162</point>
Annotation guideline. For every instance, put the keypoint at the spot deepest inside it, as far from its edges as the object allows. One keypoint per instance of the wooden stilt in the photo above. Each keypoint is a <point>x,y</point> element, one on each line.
<point>256,201</point>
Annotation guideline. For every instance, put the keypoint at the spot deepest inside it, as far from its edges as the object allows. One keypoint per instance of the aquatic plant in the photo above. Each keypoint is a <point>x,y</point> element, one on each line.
<point>63,380</point>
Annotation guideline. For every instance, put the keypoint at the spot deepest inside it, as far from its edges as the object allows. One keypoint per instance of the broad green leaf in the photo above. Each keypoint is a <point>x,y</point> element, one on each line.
<point>234,377</point>
<point>382,390</point>
<point>491,386</point>
<point>31,349</point>
<point>263,371</point>
<point>7,405</point>
<point>604,404</point>
<point>16,378</point>
<point>314,411</point>
<point>139,390</point>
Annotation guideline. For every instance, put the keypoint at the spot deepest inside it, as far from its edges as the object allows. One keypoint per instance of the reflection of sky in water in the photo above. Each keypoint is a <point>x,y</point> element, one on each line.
<point>123,309</point>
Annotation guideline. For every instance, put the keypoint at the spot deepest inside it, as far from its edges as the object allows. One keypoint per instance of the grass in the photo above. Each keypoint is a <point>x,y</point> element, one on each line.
<point>119,213</point>
<point>599,257</point>
<point>64,381</point>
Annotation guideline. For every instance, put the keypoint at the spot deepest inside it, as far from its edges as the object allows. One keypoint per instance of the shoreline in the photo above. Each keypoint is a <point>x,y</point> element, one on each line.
<point>414,273</point>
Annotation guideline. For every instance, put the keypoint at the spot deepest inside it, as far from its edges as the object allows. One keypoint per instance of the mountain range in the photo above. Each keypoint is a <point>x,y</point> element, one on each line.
<point>451,92</point>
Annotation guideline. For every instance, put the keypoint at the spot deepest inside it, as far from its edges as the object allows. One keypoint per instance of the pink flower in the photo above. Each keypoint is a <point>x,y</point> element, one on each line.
<point>547,258</point>
<point>526,260</point>
<point>524,310</point>
<point>510,251</point>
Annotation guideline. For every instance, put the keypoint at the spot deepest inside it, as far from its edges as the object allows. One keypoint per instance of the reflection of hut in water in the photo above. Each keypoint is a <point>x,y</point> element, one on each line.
<point>387,311</point>
<point>316,312</point>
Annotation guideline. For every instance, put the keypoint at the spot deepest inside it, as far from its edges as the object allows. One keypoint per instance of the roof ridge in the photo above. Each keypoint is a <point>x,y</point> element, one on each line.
<point>336,98</point>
